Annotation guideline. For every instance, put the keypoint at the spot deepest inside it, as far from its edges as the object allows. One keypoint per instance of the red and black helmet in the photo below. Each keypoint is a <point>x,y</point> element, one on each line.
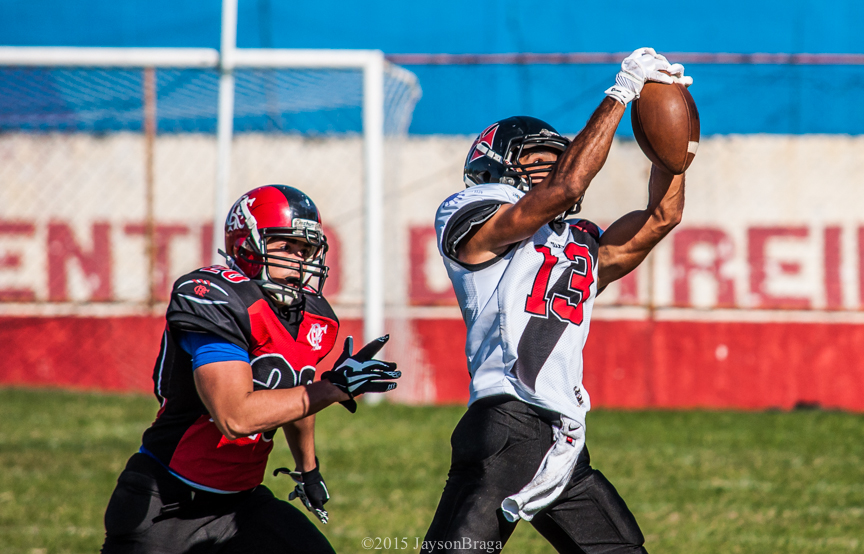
<point>277,212</point>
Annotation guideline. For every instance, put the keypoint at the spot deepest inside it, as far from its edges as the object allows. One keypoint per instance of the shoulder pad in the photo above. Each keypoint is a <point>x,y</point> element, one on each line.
<point>450,213</point>
<point>226,274</point>
<point>224,278</point>
<point>503,194</point>
<point>214,300</point>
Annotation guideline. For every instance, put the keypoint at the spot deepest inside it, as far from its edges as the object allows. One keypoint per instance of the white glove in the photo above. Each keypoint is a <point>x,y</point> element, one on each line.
<point>676,71</point>
<point>643,65</point>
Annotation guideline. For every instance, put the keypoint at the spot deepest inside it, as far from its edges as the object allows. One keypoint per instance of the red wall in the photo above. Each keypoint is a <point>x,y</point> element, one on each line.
<point>628,364</point>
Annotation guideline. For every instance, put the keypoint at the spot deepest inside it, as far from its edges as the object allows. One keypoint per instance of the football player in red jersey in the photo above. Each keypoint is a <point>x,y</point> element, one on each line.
<point>237,362</point>
<point>526,277</point>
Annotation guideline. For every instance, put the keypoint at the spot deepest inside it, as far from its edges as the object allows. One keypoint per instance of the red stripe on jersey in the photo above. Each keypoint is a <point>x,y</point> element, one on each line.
<point>536,302</point>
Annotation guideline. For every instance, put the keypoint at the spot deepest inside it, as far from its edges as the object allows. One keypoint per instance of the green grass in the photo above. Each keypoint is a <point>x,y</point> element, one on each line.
<point>697,481</point>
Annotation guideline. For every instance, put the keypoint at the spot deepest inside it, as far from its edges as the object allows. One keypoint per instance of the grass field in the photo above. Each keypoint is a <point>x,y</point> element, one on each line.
<point>701,482</point>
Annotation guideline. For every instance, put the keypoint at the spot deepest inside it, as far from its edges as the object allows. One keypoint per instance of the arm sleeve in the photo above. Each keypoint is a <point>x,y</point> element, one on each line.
<point>206,348</point>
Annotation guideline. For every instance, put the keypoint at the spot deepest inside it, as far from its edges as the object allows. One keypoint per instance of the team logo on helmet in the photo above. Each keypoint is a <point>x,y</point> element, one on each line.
<point>237,218</point>
<point>483,145</point>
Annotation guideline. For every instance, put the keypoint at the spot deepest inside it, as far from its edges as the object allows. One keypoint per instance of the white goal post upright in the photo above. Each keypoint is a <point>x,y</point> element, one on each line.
<point>373,129</point>
<point>224,122</point>
<point>370,62</point>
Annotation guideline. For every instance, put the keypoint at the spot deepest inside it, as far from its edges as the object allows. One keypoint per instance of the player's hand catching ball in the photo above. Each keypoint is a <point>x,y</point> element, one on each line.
<point>310,489</point>
<point>644,65</point>
<point>358,373</point>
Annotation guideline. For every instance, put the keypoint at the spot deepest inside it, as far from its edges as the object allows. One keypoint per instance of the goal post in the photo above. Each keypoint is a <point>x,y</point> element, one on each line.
<point>372,64</point>
<point>53,56</point>
<point>94,91</point>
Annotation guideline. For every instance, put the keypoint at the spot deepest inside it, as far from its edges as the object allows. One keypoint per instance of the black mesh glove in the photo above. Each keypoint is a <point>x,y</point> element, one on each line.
<point>359,373</point>
<point>310,489</point>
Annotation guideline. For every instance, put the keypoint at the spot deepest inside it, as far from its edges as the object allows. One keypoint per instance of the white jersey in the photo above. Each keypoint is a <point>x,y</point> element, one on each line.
<point>528,311</point>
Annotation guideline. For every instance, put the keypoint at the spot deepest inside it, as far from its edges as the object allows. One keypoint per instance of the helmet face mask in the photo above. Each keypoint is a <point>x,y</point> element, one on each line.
<point>309,269</point>
<point>273,234</point>
<point>528,173</point>
<point>494,156</point>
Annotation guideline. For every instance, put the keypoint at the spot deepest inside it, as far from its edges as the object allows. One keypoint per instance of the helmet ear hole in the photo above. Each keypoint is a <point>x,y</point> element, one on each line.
<point>486,176</point>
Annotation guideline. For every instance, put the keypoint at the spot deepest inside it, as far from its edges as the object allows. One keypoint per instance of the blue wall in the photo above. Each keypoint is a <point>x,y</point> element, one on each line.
<point>451,26</point>
<point>460,99</point>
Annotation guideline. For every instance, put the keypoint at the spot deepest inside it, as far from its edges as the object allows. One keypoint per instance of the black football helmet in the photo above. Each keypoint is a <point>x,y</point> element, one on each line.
<point>494,156</point>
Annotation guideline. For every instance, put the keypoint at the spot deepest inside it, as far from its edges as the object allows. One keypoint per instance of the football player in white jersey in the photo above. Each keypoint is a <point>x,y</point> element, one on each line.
<point>526,276</point>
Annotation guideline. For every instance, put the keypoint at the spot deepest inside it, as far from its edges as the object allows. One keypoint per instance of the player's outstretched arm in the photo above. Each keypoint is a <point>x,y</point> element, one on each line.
<point>576,167</point>
<point>238,410</point>
<point>627,241</point>
<point>559,191</point>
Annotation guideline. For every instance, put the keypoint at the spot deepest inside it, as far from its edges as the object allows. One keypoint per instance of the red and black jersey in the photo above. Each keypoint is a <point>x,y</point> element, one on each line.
<point>284,347</point>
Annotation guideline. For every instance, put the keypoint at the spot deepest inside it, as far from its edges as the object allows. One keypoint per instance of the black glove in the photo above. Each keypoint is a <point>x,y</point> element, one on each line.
<point>310,489</point>
<point>359,373</point>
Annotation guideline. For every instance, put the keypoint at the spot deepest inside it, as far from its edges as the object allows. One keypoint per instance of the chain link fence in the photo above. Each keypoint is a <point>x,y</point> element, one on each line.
<point>108,175</point>
<point>107,190</point>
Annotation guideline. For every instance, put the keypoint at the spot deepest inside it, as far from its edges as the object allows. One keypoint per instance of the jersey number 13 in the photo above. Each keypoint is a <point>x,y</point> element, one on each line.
<point>564,298</point>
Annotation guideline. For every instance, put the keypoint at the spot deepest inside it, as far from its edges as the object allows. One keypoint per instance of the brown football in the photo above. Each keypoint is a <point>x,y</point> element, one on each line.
<point>666,125</point>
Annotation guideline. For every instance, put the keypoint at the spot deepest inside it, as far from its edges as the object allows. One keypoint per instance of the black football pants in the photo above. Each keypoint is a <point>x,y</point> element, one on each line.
<point>497,447</point>
<point>151,511</point>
